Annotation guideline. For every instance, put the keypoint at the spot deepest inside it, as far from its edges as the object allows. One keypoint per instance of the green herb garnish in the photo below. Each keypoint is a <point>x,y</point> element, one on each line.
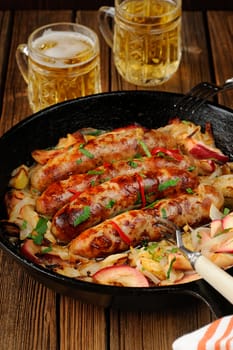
<point>85,151</point>
<point>191,168</point>
<point>138,156</point>
<point>170,268</point>
<point>83,216</point>
<point>95,172</point>
<point>133,164</point>
<point>46,250</point>
<point>151,247</point>
<point>110,204</point>
<point>164,213</point>
<point>40,229</point>
<point>169,183</point>
<point>145,148</point>
<point>226,211</point>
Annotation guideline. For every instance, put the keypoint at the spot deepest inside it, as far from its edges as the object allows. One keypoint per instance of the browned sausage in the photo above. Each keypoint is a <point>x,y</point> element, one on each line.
<point>124,143</point>
<point>43,155</point>
<point>133,227</point>
<point>117,195</point>
<point>60,192</point>
<point>104,148</point>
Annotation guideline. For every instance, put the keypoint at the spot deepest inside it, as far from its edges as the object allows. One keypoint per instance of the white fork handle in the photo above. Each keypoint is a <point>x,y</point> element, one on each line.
<point>215,276</point>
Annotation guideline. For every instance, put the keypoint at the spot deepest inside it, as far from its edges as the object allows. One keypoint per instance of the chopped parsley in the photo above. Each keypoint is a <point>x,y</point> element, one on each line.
<point>83,216</point>
<point>85,151</point>
<point>151,205</point>
<point>133,164</point>
<point>95,172</point>
<point>40,230</point>
<point>189,190</point>
<point>151,247</point>
<point>46,250</point>
<point>191,168</point>
<point>173,250</point>
<point>145,148</point>
<point>110,204</point>
<point>226,211</point>
<point>164,213</point>
<point>170,268</point>
<point>169,183</point>
<point>138,156</point>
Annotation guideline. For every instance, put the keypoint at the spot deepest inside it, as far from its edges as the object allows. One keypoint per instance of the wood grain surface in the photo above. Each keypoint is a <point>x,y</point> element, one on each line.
<point>34,317</point>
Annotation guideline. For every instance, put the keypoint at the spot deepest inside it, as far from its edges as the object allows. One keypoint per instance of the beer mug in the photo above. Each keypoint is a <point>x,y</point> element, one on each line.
<point>61,61</point>
<point>146,38</point>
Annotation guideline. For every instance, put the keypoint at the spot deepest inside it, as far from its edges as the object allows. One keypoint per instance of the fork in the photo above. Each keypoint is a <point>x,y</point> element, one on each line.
<point>210,272</point>
<point>192,100</point>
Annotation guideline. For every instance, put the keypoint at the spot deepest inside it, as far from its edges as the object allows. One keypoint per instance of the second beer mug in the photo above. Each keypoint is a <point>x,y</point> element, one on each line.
<point>146,39</point>
<point>59,62</point>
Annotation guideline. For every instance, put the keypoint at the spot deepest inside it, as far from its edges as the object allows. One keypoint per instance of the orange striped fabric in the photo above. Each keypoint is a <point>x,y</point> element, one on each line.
<point>210,331</point>
<point>226,335</point>
<point>217,335</point>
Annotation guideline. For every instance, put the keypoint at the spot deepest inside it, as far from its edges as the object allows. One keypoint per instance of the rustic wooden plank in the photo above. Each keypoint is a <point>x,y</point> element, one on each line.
<point>85,4</point>
<point>27,310</point>
<point>221,33</point>
<point>154,330</point>
<point>82,326</point>
<point>194,62</point>
<point>16,105</point>
<point>5,20</point>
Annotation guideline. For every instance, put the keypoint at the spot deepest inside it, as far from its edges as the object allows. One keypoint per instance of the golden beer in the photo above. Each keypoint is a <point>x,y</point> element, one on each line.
<point>62,65</point>
<point>147,40</point>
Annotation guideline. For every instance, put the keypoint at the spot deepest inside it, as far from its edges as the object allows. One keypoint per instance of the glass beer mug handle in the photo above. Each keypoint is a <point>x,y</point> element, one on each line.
<point>22,60</point>
<point>106,17</point>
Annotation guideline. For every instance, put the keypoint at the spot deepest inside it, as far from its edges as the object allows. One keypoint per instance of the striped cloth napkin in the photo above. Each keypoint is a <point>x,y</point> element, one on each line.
<point>217,335</point>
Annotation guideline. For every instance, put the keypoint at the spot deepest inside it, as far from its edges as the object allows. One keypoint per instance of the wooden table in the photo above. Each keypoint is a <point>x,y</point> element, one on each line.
<point>34,317</point>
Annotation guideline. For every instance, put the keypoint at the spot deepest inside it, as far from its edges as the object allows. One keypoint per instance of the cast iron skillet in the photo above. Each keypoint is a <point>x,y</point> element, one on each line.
<point>107,111</point>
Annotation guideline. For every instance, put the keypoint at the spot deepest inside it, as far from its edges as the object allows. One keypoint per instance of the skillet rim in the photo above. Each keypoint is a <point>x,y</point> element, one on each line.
<point>88,286</point>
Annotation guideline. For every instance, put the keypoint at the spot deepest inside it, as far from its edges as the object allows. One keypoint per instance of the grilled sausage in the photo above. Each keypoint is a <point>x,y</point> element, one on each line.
<point>124,143</point>
<point>43,155</point>
<point>79,160</point>
<point>60,192</point>
<point>117,195</point>
<point>133,227</point>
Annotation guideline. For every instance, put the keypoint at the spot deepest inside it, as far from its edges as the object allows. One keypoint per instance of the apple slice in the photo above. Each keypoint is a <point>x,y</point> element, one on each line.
<point>29,249</point>
<point>227,221</point>
<point>216,226</point>
<point>226,247</point>
<point>122,275</point>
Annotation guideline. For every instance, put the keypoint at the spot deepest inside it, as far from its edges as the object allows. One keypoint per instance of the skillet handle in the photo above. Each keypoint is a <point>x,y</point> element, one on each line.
<point>215,276</point>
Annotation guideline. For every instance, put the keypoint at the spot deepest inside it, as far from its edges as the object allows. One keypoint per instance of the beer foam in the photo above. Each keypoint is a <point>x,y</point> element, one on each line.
<point>59,44</point>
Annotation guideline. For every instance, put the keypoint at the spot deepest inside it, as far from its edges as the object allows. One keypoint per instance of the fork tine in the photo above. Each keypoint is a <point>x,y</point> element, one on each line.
<point>197,92</point>
<point>191,101</point>
<point>167,227</point>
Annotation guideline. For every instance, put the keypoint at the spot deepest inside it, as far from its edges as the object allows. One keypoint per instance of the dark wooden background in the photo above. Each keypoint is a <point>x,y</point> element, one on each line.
<point>93,5</point>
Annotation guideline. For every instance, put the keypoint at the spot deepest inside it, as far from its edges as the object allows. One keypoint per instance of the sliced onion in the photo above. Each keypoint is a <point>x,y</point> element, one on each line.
<point>215,213</point>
